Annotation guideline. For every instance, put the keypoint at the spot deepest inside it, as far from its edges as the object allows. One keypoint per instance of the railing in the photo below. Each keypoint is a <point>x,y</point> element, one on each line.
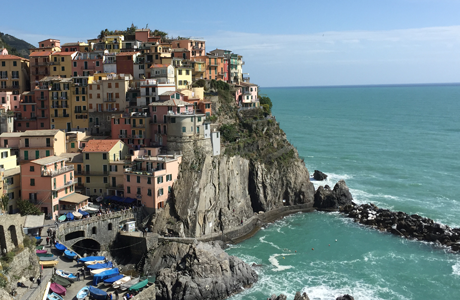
<point>42,98</point>
<point>109,100</point>
<point>52,173</point>
<point>138,125</point>
<point>67,184</point>
<point>94,173</point>
<point>43,107</point>
<point>81,111</point>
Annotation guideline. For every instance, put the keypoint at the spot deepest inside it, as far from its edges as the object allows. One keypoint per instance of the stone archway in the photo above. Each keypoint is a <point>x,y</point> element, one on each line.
<point>14,237</point>
<point>86,246</point>
<point>74,235</point>
<point>2,239</point>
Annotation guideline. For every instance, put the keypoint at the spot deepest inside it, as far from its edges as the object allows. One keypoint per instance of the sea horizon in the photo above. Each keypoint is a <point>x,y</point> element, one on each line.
<point>366,85</point>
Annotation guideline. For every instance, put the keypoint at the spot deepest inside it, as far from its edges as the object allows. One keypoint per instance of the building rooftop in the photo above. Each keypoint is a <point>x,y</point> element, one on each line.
<point>32,221</point>
<point>100,145</point>
<point>170,102</point>
<point>160,66</point>
<point>11,134</point>
<point>41,53</point>
<point>96,137</point>
<point>11,172</point>
<point>127,53</point>
<point>48,160</point>
<point>44,132</point>
<point>64,53</point>
<point>73,157</point>
<point>11,57</point>
<point>74,198</point>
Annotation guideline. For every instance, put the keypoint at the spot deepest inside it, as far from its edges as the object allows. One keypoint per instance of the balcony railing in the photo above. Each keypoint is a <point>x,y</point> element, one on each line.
<point>138,125</point>
<point>61,116</point>
<point>94,173</point>
<point>67,184</point>
<point>52,173</point>
<point>109,100</point>
<point>43,107</point>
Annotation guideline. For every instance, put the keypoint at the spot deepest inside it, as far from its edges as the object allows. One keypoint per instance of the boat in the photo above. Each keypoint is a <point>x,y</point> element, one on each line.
<point>47,258</point>
<point>77,215</point>
<point>58,289</point>
<point>100,266</point>
<point>62,218</point>
<point>54,296</point>
<point>111,280</point>
<point>138,286</point>
<point>48,263</point>
<point>119,282</point>
<point>70,254</point>
<point>45,254</point>
<point>104,275</point>
<point>129,284</point>
<point>41,251</point>
<point>94,272</point>
<point>67,275</point>
<point>40,247</point>
<point>83,293</point>
<point>69,216</point>
<point>94,262</point>
<point>38,240</point>
<point>61,281</point>
<point>96,293</point>
<point>90,258</point>
<point>83,213</point>
<point>60,247</point>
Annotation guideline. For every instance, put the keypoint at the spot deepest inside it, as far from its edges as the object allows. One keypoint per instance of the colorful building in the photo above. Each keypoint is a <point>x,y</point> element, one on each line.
<point>87,64</point>
<point>249,95</point>
<point>35,144</point>
<point>11,178</point>
<point>39,67</point>
<point>72,47</point>
<point>151,177</point>
<point>14,74</point>
<point>125,62</point>
<point>97,158</point>
<point>183,77</point>
<point>194,46</point>
<point>61,64</point>
<point>132,128</point>
<point>27,112</point>
<point>150,89</point>
<point>49,183</point>
<point>79,102</point>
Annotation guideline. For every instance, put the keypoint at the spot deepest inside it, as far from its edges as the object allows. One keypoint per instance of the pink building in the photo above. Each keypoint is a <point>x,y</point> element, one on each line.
<point>249,97</point>
<point>87,64</point>
<point>194,46</point>
<point>132,128</point>
<point>49,183</point>
<point>151,177</point>
<point>3,51</point>
<point>160,109</point>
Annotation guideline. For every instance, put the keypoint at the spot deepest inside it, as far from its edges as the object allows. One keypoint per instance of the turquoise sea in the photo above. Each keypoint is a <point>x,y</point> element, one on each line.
<point>395,146</point>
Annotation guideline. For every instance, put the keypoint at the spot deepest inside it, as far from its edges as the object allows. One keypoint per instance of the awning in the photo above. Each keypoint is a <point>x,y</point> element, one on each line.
<point>129,200</point>
<point>74,198</point>
<point>34,221</point>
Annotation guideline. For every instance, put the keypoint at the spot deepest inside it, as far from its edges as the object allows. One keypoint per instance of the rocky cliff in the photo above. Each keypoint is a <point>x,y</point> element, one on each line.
<point>259,171</point>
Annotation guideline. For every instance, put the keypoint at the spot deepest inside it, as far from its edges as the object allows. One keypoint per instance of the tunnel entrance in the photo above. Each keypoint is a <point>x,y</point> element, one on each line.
<point>74,235</point>
<point>87,246</point>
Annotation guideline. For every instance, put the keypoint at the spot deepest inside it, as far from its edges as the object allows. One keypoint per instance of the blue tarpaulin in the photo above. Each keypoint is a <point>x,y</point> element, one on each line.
<point>69,216</point>
<point>60,247</point>
<point>91,258</point>
<point>100,266</point>
<point>129,200</point>
<point>104,275</point>
<point>111,280</point>
<point>97,293</point>
<point>83,213</point>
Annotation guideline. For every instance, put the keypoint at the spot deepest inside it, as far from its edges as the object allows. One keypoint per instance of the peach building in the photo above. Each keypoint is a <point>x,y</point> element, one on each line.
<point>194,46</point>
<point>49,183</point>
<point>132,128</point>
<point>151,177</point>
<point>35,144</point>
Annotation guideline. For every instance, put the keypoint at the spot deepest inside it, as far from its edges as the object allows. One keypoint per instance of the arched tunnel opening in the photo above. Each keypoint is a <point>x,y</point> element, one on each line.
<point>87,246</point>
<point>74,235</point>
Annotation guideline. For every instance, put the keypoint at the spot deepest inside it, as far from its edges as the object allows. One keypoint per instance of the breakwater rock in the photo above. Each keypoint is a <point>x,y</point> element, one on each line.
<point>297,296</point>
<point>205,271</point>
<point>318,175</point>
<point>325,198</point>
<point>404,225</point>
<point>345,297</point>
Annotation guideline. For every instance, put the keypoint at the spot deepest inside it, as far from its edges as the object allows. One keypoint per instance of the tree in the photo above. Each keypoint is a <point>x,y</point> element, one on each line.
<point>266,100</point>
<point>162,34</point>
<point>5,199</point>
<point>27,208</point>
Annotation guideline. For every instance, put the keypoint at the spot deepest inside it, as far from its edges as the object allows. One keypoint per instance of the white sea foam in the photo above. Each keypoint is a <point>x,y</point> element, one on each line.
<point>262,240</point>
<point>456,269</point>
<point>276,263</point>
<point>357,290</point>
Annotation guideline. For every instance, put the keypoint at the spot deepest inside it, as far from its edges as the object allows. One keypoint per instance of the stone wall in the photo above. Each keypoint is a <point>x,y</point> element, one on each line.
<point>146,294</point>
<point>11,232</point>
<point>105,226</point>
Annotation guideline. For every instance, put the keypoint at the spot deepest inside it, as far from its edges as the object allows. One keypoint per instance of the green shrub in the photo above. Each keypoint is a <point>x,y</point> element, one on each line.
<point>29,242</point>
<point>229,132</point>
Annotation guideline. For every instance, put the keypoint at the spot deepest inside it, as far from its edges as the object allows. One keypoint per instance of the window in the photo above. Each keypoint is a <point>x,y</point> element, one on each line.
<point>160,179</point>
<point>88,180</point>
<point>105,180</point>
<point>180,72</point>
<point>109,227</point>
<point>128,178</point>
<point>183,129</point>
<point>62,68</point>
<point>199,119</point>
<point>149,192</point>
<point>187,72</point>
<point>26,154</point>
<point>160,192</point>
<point>138,180</point>
<point>72,145</point>
<point>37,154</point>
<point>128,190</point>
<point>97,63</point>
<point>3,63</point>
<point>104,155</point>
<point>32,168</point>
<point>47,153</point>
<point>86,155</point>
<point>149,180</point>
<point>94,230</point>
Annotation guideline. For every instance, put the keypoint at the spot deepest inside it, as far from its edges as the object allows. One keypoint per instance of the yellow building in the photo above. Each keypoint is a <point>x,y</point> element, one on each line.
<point>10,184</point>
<point>98,156</point>
<point>76,160</point>
<point>183,77</point>
<point>14,74</point>
<point>79,102</point>
<point>61,64</point>
<point>35,144</point>
<point>59,102</point>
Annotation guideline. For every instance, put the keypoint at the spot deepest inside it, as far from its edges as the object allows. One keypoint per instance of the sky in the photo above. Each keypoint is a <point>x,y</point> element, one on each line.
<point>283,43</point>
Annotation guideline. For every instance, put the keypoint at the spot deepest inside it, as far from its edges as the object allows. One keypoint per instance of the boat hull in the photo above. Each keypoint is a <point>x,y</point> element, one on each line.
<point>48,264</point>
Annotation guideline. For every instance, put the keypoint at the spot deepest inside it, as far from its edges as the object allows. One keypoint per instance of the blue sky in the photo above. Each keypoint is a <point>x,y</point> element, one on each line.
<point>284,43</point>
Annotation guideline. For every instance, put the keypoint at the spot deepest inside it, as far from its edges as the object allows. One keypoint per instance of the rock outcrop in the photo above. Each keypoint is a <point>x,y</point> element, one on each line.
<point>320,176</point>
<point>297,296</point>
<point>204,272</point>
<point>404,225</point>
<point>345,297</point>
<point>325,198</point>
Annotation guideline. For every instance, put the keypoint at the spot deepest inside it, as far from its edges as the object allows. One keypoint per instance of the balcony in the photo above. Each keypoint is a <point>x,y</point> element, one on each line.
<point>123,136</point>
<point>52,173</point>
<point>81,111</point>
<point>158,75</point>
<point>42,98</point>
<point>88,68</point>
<point>54,63</point>
<point>42,63</point>
<point>109,100</point>
<point>61,116</point>
<point>67,184</point>
<point>138,126</point>
<point>94,173</point>
<point>43,107</point>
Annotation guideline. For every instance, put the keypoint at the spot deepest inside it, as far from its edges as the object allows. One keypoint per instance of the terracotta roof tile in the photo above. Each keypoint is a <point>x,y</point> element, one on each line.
<point>64,53</point>
<point>126,53</point>
<point>100,145</point>
<point>40,53</point>
<point>2,57</point>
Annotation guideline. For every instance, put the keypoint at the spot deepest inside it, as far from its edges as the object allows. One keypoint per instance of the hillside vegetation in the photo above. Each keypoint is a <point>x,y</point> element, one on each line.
<point>14,45</point>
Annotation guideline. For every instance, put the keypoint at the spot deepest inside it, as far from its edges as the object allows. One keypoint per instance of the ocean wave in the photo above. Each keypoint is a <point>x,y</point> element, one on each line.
<point>272,259</point>
<point>262,240</point>
<point>358,290</point>
<point>456,269</point>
